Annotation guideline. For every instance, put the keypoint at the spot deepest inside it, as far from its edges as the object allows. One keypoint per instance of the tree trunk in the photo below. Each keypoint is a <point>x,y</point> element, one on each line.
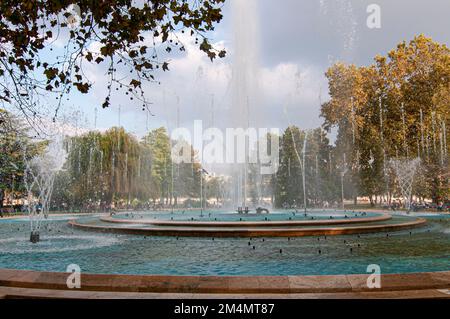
<point>2,196</point>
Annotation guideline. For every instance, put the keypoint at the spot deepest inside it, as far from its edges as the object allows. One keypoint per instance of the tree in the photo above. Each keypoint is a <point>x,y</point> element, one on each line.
<point>159,144</point>
<point>114,167</point>
<point>288,183</point>
<point>134,40</point>
<point>396,107</point>
<point>15,146</point>
<point>104,168</point>
<point>187,178</point>
<point>320,177</point>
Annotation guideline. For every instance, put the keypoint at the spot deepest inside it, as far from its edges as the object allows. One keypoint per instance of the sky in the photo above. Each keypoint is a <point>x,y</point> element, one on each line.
<point>293,42</point>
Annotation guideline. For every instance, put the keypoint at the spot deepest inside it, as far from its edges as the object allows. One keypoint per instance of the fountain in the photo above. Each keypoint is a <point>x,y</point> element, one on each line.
<point>243,83</point>
<point>344,170</point>
<point>405,171</point>
<point>39,176</point>
<point>302,164</point>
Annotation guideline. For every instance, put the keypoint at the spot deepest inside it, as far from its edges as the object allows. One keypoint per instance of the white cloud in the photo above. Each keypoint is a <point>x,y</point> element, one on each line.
<point>194,81</point>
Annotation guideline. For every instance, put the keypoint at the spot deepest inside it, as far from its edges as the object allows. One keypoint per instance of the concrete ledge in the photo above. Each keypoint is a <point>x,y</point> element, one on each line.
<point>353,285</point>
<point>26,293</point>
<point>249,232</point>
<point>382,217</point>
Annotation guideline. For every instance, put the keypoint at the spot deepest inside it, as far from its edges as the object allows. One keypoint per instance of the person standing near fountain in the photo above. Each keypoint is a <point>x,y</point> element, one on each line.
<point>39,207</point>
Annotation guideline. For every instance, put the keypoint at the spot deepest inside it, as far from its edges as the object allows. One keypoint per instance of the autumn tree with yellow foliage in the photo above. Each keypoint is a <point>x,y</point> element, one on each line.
<point>397,107</point>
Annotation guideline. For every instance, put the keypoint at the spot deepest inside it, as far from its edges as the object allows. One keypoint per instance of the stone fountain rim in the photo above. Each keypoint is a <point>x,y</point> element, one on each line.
<point>340,221</point>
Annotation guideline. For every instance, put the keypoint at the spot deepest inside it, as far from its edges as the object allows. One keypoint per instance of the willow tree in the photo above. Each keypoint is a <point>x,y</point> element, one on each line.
<point>104,168</point>
<point>82,173</point>
<point>114,167</point>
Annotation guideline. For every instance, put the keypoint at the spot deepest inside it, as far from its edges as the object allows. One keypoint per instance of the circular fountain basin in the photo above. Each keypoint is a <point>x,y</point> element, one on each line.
<point>423,249</point>
<point>280,219</point>
<point>226,224</point>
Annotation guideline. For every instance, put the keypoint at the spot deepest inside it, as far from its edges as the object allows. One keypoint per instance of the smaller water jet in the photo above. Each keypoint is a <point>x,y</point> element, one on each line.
<point>39,177</point>
<point>344,170</point>
<point>405,171</point>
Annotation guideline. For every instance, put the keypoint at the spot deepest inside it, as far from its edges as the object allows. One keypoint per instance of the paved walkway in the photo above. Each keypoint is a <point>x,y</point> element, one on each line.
<point>20,283</point>
<point>9,293</point>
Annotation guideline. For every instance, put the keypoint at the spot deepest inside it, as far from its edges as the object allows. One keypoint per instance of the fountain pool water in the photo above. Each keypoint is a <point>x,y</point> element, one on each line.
<point>225,216</point>
<point>418,250</point>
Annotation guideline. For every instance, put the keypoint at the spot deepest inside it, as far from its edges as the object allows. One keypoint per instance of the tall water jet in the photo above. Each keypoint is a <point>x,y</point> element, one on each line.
<point>344,170</point>
<point>244,84</point>
<point>303,167</point>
